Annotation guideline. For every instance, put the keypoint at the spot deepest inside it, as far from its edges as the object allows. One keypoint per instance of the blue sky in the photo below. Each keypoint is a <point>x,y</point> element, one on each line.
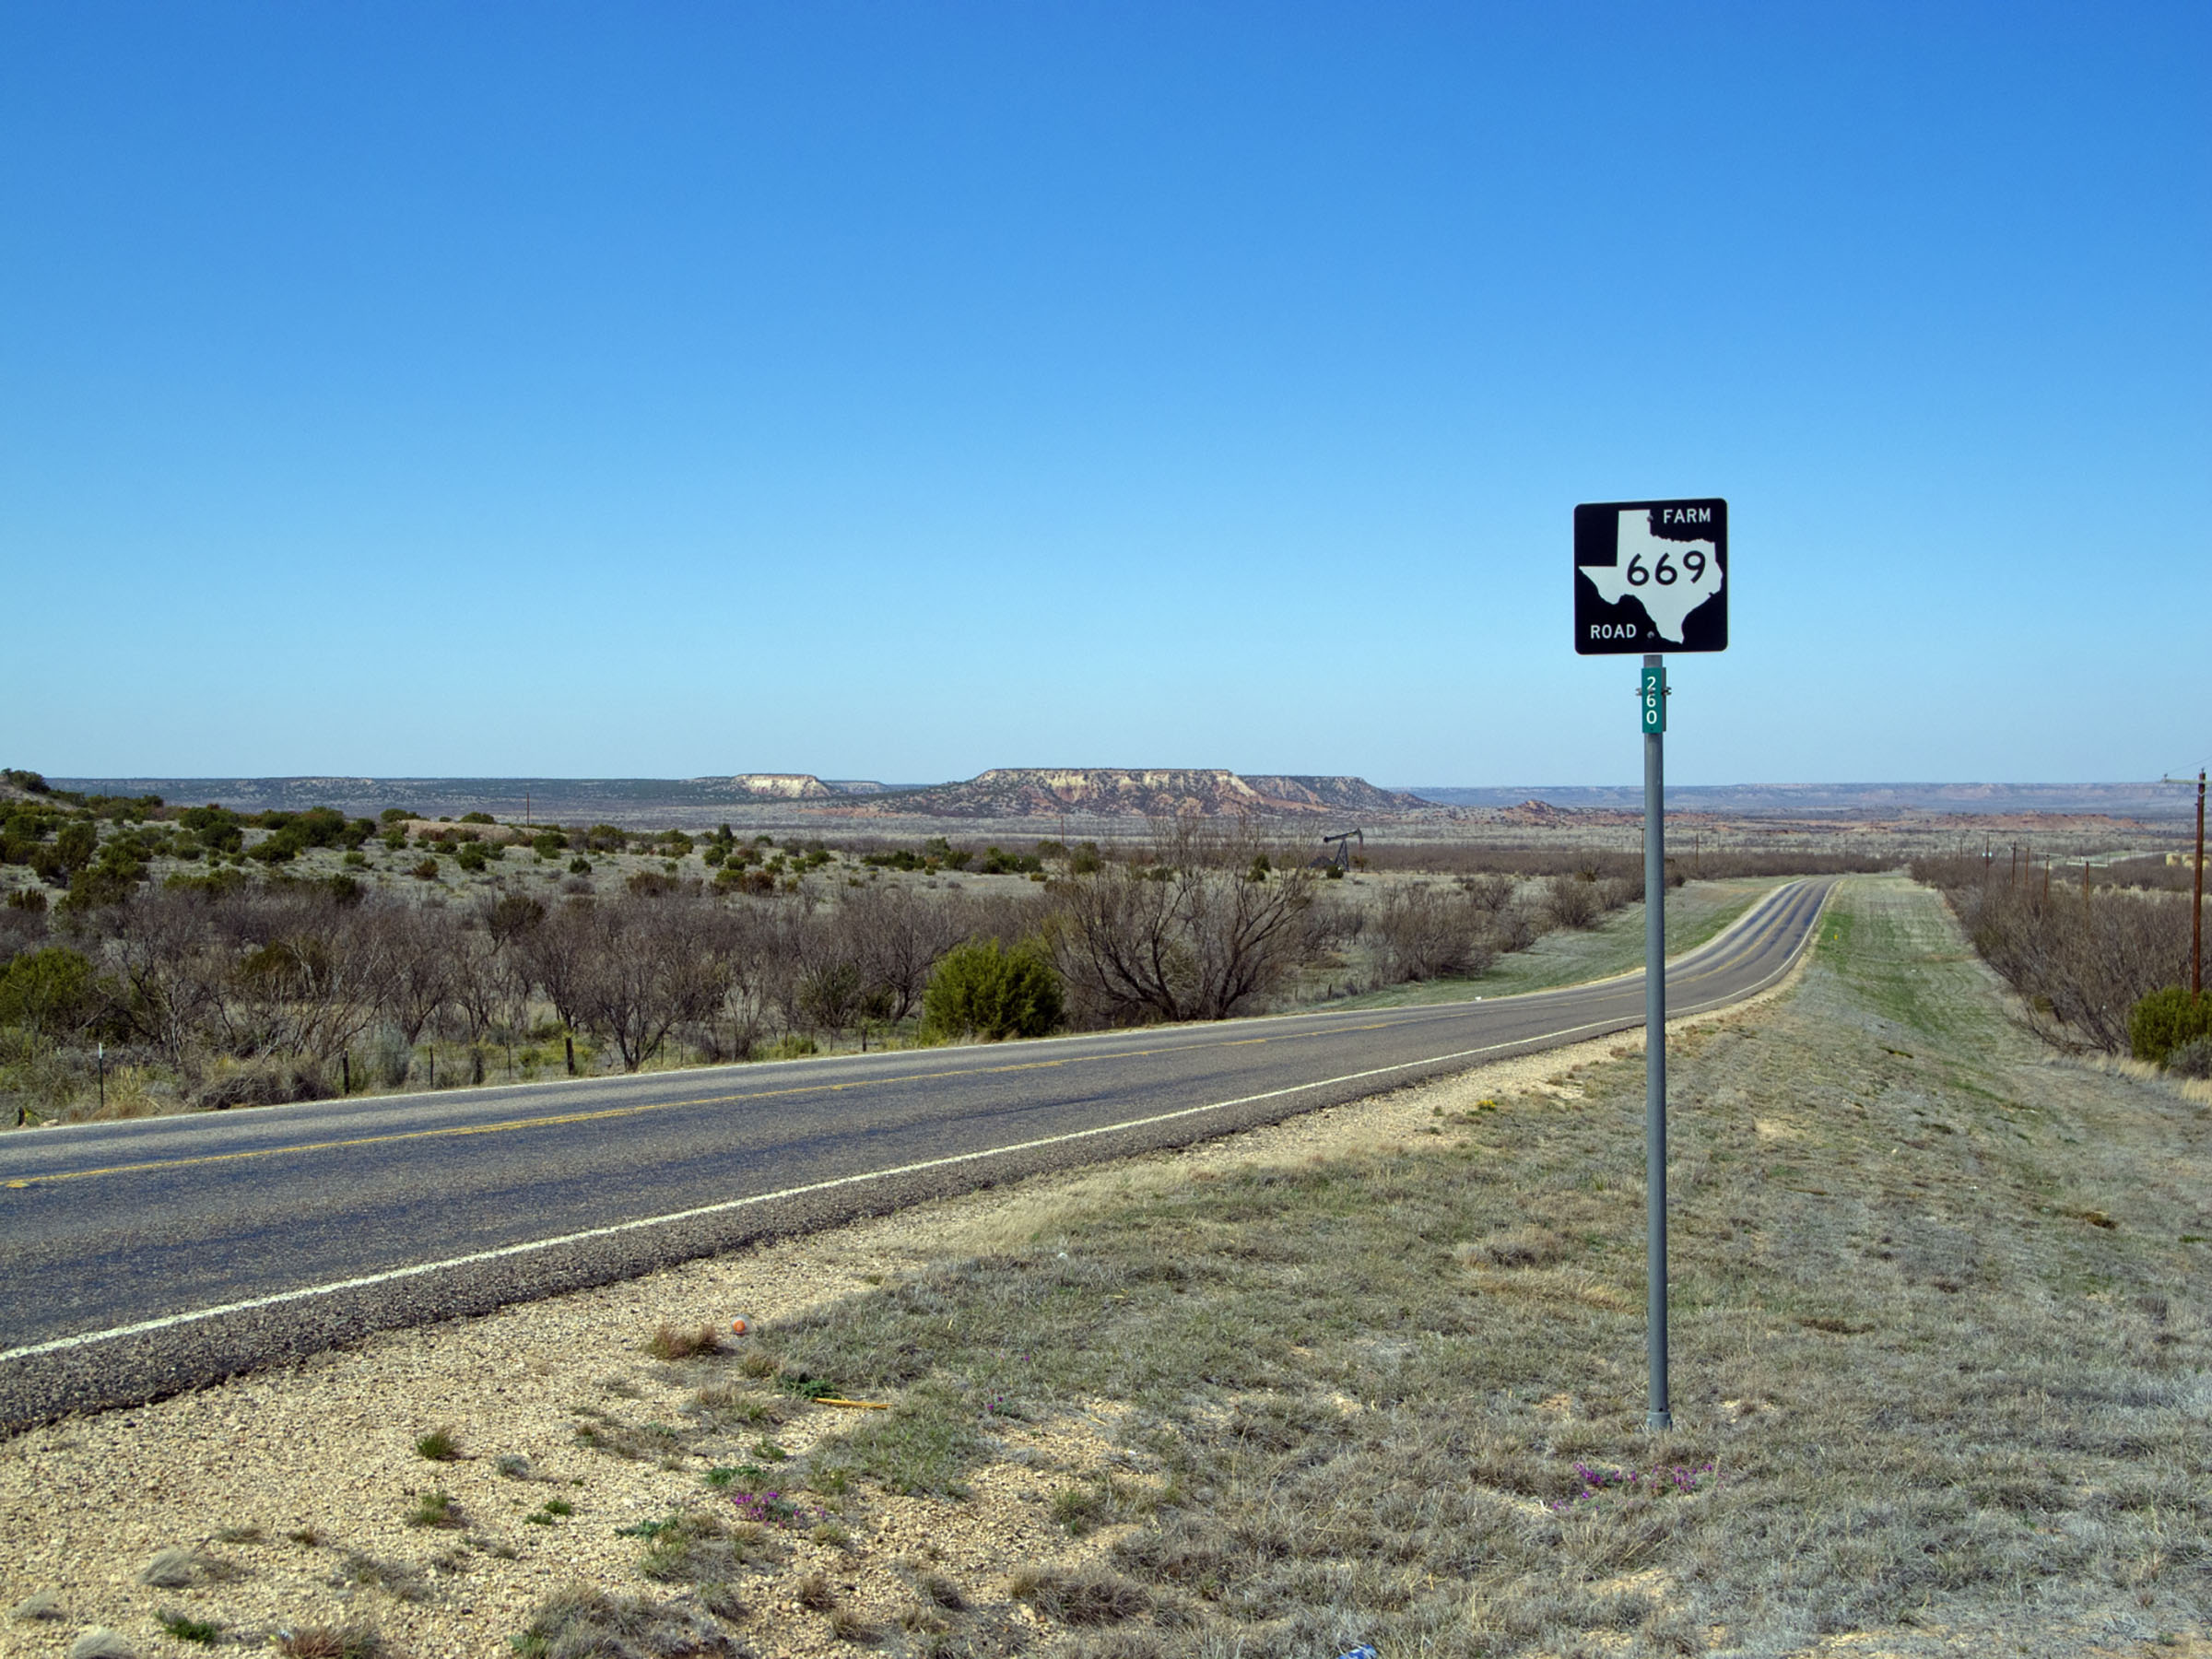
<point>900,390</point>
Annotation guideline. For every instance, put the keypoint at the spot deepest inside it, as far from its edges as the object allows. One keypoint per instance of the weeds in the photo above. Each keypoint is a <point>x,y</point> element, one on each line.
<point>941,1590</point>
<point>694,1546</point>
<point>332,1642</point>
<point>1660,1480</point>
<point>439,1445</point>
<point>773,1509</point>
<point>173,1569</point>
<point>667,1343</point>
<point>205,1632</point>
<point>1091,1598</point>
<point>394,1578</point>
<point>436,1508</point>
<point>628,1441</point>
<point>584,1623</point>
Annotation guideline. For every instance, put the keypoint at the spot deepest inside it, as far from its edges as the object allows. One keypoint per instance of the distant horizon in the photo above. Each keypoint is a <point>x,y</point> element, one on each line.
<point>72,779</point>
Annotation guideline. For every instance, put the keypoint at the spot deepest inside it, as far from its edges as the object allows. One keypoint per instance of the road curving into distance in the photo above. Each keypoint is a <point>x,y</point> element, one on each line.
<point>140,1258</point>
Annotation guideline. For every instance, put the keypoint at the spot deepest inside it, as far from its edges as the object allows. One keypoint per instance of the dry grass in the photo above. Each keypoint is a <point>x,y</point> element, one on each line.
<point>331,1641</point>
<point>584,1623</point>
<point>1936,1333</point>
<point>669,1343</point>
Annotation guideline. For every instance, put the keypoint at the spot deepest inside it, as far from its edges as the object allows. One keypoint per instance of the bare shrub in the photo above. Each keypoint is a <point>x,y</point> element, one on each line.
<point>893,937</point>
<point>1489,894</point>
<point>2081,962</point>
<point>651,964</point>
<point>1192,932</point>
<point>1573,900</point>
<point>1429,933</point>
<point>1516,927</point>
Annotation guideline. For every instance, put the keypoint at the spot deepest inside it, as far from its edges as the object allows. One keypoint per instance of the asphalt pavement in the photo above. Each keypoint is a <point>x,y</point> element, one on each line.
<point>140,1258</point>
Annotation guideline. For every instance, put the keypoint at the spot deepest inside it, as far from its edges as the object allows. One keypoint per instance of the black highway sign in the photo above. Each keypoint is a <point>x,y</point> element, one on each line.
<point>1650,576</point>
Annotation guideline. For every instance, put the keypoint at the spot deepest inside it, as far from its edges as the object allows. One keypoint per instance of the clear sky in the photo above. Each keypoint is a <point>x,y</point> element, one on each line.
<point>900,390</point>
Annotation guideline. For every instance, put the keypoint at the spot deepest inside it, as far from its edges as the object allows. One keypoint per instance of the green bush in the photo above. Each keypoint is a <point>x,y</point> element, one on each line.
<point>478,817</point>
<point>51,991</point>
<point>982,989</point>
<point>549,843</point>
<point>73,846</point>
<point>2167,1019</point>
<point>103,885</point>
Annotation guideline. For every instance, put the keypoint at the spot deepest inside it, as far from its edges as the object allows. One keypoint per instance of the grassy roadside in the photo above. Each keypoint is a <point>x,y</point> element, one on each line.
<point>1940,1357</point>
<point>1695,912</point>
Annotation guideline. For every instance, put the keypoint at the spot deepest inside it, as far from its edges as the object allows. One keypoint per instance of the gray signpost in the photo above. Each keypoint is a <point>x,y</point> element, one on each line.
<point>1651,577</point>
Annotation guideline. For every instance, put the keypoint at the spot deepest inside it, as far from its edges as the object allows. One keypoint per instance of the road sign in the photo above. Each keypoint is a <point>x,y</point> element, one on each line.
<point>1650,576</point>
<point>1651,697</point>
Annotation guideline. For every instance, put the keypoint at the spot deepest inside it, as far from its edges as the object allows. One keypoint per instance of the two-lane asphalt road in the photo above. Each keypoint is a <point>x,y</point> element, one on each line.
<point>139,1257</point>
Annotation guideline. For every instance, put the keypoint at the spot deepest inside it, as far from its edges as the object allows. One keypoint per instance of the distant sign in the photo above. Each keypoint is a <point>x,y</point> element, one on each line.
<point>1650,576</point>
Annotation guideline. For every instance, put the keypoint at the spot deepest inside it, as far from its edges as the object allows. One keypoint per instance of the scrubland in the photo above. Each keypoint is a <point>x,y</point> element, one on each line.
<point>1940,1367</point>
<point>156,958</point>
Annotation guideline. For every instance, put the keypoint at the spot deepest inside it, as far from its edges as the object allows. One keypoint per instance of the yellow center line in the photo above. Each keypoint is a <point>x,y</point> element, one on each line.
<point>607,1113</point>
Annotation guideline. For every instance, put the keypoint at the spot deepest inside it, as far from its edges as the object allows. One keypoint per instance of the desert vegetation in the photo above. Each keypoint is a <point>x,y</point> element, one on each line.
<point>2098,954</point>
<point>155,957</point>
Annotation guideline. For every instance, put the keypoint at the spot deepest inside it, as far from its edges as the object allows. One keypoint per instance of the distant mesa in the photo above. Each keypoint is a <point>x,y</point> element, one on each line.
<point>776,786</point>
<point>1536,812</point>
<point>786,786</point>
<point>1129,792</point>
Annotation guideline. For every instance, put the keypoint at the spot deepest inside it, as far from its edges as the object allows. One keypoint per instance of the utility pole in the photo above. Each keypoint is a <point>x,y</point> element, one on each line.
<point>2196,911</point>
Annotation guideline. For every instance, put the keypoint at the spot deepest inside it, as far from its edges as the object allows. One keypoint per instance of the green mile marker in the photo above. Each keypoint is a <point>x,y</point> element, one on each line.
<point>1651,697</point>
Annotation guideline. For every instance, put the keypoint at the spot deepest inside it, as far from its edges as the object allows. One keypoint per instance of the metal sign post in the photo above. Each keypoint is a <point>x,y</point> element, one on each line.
<point>1652,703</point>
<point>1648,575</point>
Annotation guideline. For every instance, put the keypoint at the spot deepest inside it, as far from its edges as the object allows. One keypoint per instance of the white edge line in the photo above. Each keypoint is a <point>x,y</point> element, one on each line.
<point>170,1321</point>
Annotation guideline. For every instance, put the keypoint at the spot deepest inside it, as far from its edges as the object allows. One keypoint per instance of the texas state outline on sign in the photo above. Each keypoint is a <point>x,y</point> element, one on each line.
<point>1668,604</point>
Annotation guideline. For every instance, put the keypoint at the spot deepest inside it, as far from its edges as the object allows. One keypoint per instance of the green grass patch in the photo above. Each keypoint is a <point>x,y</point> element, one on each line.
<point>204,1633</point>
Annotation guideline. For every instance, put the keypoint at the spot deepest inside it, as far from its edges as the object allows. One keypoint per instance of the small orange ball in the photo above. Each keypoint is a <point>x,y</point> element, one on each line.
<point>740,1326</point>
